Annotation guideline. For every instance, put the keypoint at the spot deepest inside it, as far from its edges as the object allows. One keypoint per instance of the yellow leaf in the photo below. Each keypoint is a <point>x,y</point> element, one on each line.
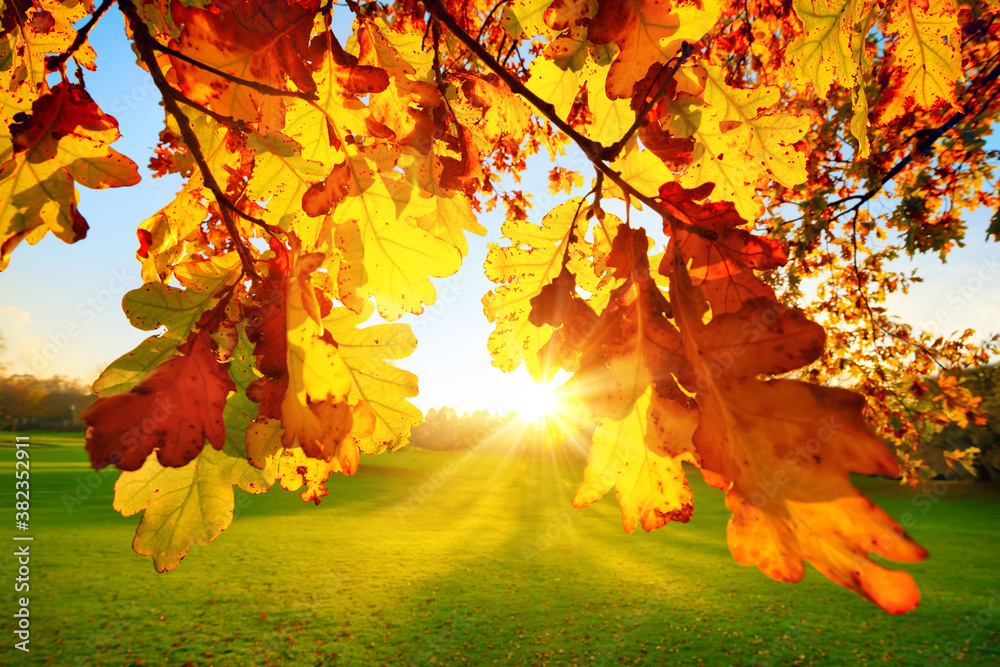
<point>831,45</point>
<point>40,28</point>
<point>375,381</point>
<point>156,305</point>
<point>611,117</point>
<point>382,252</point>
<point>831,48</point>
<point>524,19</point>
<point>295,470</point>
<point>740,142</point>
<point>641,169</point>
<point>532,261</point>
<point>924,60</point>
<point>65,140</point>
<point>651,486</point>
<point>557,86</point>
<point>172,233</point>
<point>194,504</point>
<point>489,108</point>
<point>444,213</point>
<point>316,371</point>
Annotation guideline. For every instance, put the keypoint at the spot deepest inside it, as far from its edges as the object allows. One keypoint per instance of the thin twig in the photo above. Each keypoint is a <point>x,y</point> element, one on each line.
<point>227,203</point>
<point>146,44</point>
<point>591,148</point>
<point>231,123</point>
<point>488,17</point>
<point>871,315</point>
<point>572,237</point>
<point>612,151</point>
<point>511,51</point>
<point>594,151</point>
<point>54,63</point>
<point>254,85</point>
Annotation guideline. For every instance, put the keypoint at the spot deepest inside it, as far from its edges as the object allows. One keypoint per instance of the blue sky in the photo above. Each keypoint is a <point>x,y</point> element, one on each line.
<point>60,305</point>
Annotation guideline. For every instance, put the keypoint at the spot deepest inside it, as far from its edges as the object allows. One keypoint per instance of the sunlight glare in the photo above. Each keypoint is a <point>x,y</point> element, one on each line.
<point>535,400</point>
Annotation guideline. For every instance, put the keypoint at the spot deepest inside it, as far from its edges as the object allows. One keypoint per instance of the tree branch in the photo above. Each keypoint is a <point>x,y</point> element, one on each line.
<point>146,44</point>
<point>927,140</point>
<point>54,63</point>
<point>614,149</point>
<point>231,123</point>
<point>594,151</point>
<point>254,85</point>
<point>591,148</point>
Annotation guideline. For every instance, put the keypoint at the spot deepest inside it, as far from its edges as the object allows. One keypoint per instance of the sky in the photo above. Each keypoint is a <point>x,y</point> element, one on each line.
<point>60,305</point>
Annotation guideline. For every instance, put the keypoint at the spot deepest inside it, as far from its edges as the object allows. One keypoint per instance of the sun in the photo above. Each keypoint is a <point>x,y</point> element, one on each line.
<point>536,400</point>
<point>533,401</point>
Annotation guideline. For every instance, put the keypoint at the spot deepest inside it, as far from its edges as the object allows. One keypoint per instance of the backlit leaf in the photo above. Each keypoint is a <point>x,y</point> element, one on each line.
<point>64,141</point>
<point>923,63</point>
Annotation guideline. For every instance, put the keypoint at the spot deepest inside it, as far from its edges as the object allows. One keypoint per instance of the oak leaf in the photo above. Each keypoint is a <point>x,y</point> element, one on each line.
<point>647,32</point>
<point>783,449</point>
<point>173,411</point>
<point>264,42</point>
<point>741,141</point>
<point>65,140</point>
<point>529,263</point>
<point>722,255</point>
<point>194,504</point>
<point>832,48</point>
<point>650,484</point>
<point>375,382</point>
<point>29,31</point>
<point>305,381</point>
<point>156,305</point>
<point>923,63</point>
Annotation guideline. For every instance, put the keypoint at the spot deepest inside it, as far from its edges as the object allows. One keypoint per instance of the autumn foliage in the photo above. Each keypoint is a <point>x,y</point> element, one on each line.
<point>337,155</point>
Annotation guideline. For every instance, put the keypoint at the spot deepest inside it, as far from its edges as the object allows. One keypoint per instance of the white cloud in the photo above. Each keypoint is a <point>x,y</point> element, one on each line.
<point>23,346</point>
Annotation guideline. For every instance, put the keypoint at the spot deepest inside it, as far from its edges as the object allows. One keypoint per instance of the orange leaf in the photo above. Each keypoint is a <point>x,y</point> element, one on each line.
<point>265,42</point>
<point>723,259</point>
<point>783,450</point>
<point>647,32</point>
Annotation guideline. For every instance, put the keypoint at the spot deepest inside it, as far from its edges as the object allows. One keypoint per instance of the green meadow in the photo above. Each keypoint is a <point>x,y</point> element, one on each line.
<point>453,558</point>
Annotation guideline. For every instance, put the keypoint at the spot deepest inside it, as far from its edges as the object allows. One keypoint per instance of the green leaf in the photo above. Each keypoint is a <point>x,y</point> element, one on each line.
<point>194,504</point>
<point>156,305</point>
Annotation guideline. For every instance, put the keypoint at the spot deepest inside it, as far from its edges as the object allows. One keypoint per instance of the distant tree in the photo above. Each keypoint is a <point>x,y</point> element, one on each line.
<point>53,403</point>
<point>944,452</point>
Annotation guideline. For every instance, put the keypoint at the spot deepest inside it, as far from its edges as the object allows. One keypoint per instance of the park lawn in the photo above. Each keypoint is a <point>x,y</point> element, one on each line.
<point>452,558</point>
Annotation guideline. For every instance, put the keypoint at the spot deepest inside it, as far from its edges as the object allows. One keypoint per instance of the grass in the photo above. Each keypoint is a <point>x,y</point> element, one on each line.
<point>441,558</point>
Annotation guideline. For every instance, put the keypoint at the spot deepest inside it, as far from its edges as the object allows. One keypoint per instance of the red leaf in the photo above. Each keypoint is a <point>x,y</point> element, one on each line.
<point>172,411</point>
<point>724,258</point>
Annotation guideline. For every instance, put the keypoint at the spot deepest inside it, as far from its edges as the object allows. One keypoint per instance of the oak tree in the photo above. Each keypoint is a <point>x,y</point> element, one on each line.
<point>332,175</point>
